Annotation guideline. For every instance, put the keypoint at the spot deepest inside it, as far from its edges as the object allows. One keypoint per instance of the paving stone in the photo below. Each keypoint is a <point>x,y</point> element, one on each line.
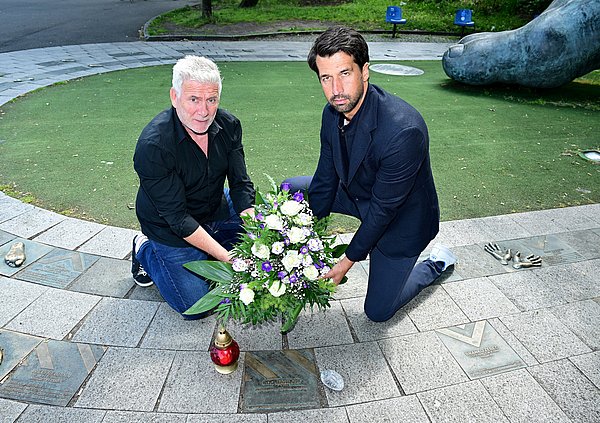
<point>421,361</point>
<point>11,207</point>
<point>326,415</point>
<point>455,403</point>
<point>170,331</point>
<point>433,308</point>
<point>137,417</point>
<point>146,293</point>
<point>479,349</point>
<point>106,277</point>
<point>480,299</point>
<point>10,410</point>
<point>15,347</point>
<point>503,228</point>
<point>110,242</point>
<point>355,286</point>
<point>266,336</point>
<point>592,211</point>
<point>589,364</point>
<point>522,399</point>
<point>552,249</point>
<point>46,413</point>
<point>333,328</point>
<point>70,233</point>
<point>33,251</point>
<point>586,243</point>
<point>52,373</point>
<point>227,418</point>
<point>570,389</point>
<point>6,237</point>
<point>54,313</point>
<point>544,335</point>
<point>193,384</point>
<point>16,296</point>
<point>367,330</point>
<point>583,319</point>
<point>58,268</point>
<point>587,278</point>
<point>539,222</point>
<point>405,409</point>
<point>474,262</point>
<point>117,322</point>
<point>464,232</point>
<point>577,281</point>
<point>513,342</point>
<point>135,378</point>
<point>568,217</point>
<point>32,222</point>
<point>366,374</point>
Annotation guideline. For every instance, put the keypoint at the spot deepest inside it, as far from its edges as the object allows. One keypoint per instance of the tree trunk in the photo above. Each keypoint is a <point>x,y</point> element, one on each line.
<point>206,8</point>
<point>248,3</point>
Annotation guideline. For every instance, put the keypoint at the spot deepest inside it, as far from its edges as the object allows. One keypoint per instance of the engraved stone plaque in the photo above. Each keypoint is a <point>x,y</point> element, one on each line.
<point>33,251</point>
<point>280,380</point>
<point>52,373</point>
<point>479,349</point>
<point>550,248</point>
<point>14,347</point>
<point>58,268</point>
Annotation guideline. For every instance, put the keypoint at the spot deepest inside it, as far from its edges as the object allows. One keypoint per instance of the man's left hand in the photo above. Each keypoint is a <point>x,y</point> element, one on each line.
<point>338,271</point>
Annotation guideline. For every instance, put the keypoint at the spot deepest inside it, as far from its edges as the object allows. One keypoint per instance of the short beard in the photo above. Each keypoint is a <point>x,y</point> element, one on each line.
<point>352,102</point>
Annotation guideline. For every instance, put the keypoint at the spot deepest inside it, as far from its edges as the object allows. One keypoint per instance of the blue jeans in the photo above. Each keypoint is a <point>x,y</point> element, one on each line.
<point>179,287</point>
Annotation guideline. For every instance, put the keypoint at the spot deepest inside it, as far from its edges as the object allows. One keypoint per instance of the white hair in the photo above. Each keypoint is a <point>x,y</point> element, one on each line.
<point>195,68</point>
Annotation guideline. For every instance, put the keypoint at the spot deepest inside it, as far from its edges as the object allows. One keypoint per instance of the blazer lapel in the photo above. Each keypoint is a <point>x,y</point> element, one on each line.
<point>362,138</point>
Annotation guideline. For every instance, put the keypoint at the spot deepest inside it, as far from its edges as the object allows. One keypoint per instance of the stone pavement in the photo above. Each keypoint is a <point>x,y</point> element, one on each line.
<point>81,342</point>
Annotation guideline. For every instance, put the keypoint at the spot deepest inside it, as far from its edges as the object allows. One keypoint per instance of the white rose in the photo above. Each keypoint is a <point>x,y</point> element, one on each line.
<point>246,295</point>
<point>274,222</point>
<point>304,219</point>
<point>311,273</point>
<point>291,260</point>
<point>239,265</point>
<point>296,235</point>
<point>260,250</point>
<point>307,260</point>
<point>277,289</point>
<point>315,244</point>
<point>278,247</point>
<point>291,208</point>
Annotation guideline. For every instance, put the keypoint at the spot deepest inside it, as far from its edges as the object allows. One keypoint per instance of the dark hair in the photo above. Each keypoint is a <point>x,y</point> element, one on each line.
<point>338,39</point>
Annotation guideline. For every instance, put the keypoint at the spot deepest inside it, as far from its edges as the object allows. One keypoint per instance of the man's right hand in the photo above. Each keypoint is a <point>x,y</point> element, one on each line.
<point>338,271</point>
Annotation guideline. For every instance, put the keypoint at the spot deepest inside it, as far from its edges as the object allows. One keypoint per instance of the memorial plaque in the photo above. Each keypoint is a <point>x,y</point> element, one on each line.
<point>52,373</point>
<point>33,251</point>
<point>280,380</point>
<point>58,268</point>
<point>550,248</point>
<point>14,347</point>
<point>393,69</point>
<point>479,349</point>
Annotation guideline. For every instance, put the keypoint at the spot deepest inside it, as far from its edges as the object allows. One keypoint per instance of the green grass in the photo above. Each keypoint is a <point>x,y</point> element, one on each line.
<point>364,15</point>
<point>494,150</point>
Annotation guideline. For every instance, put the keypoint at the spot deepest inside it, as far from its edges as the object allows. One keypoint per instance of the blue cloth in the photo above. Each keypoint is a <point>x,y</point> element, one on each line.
<point>179,287</point>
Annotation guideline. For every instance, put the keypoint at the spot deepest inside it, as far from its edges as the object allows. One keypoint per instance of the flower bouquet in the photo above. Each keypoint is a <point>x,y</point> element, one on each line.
<point>277,265</point>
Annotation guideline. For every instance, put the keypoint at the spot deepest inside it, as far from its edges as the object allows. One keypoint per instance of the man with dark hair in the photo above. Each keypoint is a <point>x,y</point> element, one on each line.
<point>374,165</point>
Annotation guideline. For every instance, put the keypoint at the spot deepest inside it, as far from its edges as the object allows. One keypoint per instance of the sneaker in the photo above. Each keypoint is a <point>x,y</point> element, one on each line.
<point>439,253</point>
<point>140,276</point>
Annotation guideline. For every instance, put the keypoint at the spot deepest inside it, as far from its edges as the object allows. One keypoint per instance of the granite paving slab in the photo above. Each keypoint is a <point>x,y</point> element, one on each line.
<point>11,207</point>
<point>583,319</point>
<point>538,222</point>
<point>6,237</point>
<point>32,222</point>
<point>58,268</point>
<point>333,328</point>
<point>33,251</point>
<point>140,417</point>
<point>464,232</point>
<point>194,384</point>
<point>10,410</point>
<point>454,403</point>
<point>147,293</point>
<point>433,308</point>
<point>573,280</point>
<point>170,331</point>
<point>480,299</point>
<point>327,415</point>
<point>569,218</point>
<point>421,362</point>
<point>52,373</point>
<point>266,336</point>
<point>503,228</point>
<point>544,335</point>
<point>367,330</point>
<point>405,409</point>
<point>552,249</point>
<point>570,389</point>
<point>367,379</point>
<point>227,418</point>
<point>355,286</point>
<point>15,347</point>
<point>479,349</point>
<point>70,233</point>
<point>16,296</point>
<point>586,277</point>
<point>522,399</point>
<point>47,413</point>
<point>474,262</point>
<point>54,313</point>
<point>110,242</point>
<point>513,342</point>
<point>586,243</point>
<point>135,377</point>
<point>589,365</point>
<point>279,381</point>
<point>106,277</point>
<point>117,322</point>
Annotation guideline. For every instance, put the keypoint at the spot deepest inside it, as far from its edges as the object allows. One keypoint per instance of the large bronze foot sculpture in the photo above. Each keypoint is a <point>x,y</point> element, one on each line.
<point>16,255</point>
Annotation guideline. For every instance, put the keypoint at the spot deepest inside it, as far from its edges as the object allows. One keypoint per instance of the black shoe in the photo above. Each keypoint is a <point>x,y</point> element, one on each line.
<point>140,276</point>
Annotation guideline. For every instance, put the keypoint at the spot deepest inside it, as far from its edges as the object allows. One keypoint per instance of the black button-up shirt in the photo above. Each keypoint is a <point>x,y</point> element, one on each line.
<point>180,187</point>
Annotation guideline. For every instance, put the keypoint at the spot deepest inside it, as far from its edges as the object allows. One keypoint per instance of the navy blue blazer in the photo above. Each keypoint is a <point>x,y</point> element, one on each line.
<point>388,185</point>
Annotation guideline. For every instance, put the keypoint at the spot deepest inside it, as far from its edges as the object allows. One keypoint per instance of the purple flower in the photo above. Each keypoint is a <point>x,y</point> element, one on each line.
<point>281,274</point>
<point>304,249</point>
<point>261,226</point>
<point>251,235</point>
<point>225,301</point>
<point>266,266</point>
<point>286,186</point>
<point>294,278</point>
<point>319,264</point>
<point>259,217</point>
<point>298,196</point>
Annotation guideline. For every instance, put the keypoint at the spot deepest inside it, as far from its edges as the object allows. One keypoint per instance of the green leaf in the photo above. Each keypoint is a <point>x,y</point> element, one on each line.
<point>216,271</point>
<point>344,280</point>
<point>291,318</point>
<point>206,303</point>
<point>338,250</point>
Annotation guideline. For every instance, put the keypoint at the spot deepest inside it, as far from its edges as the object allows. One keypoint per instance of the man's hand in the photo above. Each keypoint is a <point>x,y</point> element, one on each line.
<point>248,212</point>
<point>497,252</point>
<point>529,261</point>
<point>338,271</point>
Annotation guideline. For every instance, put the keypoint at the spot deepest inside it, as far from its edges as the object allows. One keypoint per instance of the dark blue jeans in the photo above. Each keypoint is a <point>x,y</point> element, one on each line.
<point>178,286</point>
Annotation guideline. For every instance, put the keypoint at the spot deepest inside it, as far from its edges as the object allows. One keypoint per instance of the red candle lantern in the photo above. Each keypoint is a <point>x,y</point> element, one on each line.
<point>224,352</point>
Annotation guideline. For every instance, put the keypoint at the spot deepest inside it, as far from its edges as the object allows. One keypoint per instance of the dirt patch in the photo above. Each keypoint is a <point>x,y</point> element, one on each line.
<point>249,28</point>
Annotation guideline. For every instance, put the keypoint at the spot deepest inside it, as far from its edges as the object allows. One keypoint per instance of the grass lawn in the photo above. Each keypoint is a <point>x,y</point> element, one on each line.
<point>496,150</point>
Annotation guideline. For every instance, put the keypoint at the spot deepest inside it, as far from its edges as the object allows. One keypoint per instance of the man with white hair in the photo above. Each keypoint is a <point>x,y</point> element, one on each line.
<point>183,157</point>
